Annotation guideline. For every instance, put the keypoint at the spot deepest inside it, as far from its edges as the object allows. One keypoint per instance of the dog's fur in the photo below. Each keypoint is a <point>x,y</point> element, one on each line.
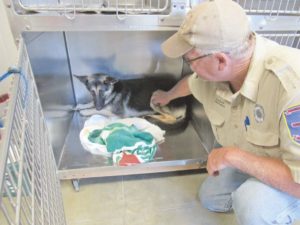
<point>124,98</point>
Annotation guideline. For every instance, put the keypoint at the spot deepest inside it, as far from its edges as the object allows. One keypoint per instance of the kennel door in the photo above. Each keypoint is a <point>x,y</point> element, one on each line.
<point>30,190</point>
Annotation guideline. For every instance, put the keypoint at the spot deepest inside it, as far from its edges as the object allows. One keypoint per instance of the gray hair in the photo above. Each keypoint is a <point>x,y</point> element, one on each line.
<point>238,52</point>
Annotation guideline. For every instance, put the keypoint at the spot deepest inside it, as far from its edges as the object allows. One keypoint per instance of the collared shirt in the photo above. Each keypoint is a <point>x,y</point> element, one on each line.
<point>256,118</point>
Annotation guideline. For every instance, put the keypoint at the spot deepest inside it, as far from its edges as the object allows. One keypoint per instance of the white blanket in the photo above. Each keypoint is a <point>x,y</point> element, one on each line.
<point>99,122</point>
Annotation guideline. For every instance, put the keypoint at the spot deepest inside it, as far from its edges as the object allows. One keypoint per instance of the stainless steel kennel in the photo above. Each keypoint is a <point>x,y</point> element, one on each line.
<point>119,37</point>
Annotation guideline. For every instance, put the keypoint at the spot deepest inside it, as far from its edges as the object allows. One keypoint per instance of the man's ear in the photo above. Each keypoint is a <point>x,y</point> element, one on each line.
<point>223,60</point>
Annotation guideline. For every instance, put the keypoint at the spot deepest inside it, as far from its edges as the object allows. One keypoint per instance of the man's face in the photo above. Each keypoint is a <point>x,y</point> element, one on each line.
<point>211,67</point>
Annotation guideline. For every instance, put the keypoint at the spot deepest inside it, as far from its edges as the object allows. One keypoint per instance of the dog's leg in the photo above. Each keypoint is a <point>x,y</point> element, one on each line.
<point>85,106</point>
<point>103,112</point>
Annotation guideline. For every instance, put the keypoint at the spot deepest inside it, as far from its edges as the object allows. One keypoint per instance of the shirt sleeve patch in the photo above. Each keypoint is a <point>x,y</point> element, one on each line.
<point>292,119</point>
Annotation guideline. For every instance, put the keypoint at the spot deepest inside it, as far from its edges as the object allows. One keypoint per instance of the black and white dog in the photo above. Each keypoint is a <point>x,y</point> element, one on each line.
<point>124,98</point>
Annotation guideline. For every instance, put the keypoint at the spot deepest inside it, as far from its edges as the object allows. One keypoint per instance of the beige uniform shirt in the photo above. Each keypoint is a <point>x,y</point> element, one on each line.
<point>263,116</point>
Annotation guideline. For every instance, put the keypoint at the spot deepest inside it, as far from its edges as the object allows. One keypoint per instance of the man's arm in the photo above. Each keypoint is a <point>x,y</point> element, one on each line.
<point>181,89</point>
<point>271,171</point>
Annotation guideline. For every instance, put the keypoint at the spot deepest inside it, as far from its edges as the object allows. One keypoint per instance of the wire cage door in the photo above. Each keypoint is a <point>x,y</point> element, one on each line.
<point>30,190</point>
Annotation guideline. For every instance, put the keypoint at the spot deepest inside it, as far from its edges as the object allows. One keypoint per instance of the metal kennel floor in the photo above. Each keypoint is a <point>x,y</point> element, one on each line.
<point>182,150</point>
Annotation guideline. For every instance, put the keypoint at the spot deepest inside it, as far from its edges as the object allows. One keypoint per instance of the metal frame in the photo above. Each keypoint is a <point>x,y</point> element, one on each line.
<point>291,39</point>
<point>263,7</point>
<point>91,15</point>
<point>30,190</point>
<point>124,6</point>
<point>271,7</point>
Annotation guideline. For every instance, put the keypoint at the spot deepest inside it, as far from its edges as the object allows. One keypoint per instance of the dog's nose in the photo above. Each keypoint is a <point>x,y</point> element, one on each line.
<point>99,103</point>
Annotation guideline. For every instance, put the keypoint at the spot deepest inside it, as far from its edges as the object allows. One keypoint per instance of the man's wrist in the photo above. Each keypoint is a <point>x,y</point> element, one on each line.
<point>232,153</point>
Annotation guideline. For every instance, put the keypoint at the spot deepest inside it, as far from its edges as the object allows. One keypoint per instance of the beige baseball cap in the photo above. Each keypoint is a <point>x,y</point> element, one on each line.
<point>211,26</point>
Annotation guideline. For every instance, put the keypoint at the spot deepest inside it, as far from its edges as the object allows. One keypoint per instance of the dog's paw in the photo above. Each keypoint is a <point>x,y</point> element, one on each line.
<point>88,112</point>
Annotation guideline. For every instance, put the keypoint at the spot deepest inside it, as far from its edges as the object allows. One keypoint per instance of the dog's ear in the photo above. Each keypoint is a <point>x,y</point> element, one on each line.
<point>83,79</point>
<point>111,80</point>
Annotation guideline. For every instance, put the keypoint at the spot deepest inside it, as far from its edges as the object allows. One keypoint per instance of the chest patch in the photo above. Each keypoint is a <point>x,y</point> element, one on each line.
<point>292,119</point>
<point>259,113</point>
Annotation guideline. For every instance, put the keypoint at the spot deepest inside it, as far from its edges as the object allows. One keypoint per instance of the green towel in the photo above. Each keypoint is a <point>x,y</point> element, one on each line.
<point>95,137</point>
<point>120,138</point>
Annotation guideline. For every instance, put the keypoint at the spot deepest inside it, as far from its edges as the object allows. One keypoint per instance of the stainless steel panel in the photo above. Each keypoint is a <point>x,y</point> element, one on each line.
<point>121,54</point>
<point>49,61</point>
<point>58,127</point>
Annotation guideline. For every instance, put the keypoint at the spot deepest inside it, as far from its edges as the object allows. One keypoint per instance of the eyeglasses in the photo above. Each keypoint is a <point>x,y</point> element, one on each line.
<point>189,61</point>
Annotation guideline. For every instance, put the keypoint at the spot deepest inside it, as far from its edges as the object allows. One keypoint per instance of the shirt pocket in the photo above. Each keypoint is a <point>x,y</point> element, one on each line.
<point>217,121</point>
<point>261,137</point>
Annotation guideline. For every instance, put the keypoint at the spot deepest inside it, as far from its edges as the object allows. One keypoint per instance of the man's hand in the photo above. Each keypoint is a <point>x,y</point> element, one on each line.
<point>271,171</point>
<point>217,160</point>
<point>160,98</point>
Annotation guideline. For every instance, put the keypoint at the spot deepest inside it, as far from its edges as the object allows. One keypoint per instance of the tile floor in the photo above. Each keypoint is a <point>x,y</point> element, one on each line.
<point>153,199</point>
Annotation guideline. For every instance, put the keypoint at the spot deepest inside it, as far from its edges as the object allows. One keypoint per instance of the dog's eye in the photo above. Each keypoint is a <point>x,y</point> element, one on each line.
<point>106,82</point>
